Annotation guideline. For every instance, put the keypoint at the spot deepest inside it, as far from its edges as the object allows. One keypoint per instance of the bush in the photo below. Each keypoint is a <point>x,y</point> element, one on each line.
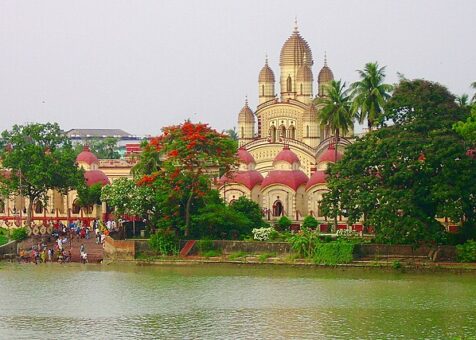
<point>237,255</point>
<point>284,223</point>
<point>262,234</point>
<point>263,257</point>
<point>212,253</point>
<point>309,222</point>
<point>164,242</point>
<point>333,253</point>
<point>19,234</point>
<point>3,240</point>
<point>205,245</point>
<point>466,252</point>
<point>304,242</point>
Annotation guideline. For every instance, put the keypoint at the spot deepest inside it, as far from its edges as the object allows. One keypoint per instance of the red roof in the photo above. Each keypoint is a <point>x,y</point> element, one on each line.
<point>95,176</point>
<point>329,156</point>
<point>249,178</point>
<point>87,156</point>
<point>287,155</point>
<point>292,178</point>
<point>244,156</point>
<point>319,177</point>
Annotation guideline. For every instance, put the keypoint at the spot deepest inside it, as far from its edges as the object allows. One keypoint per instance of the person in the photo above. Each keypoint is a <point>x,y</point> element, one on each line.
<point>87,233</point>
<point>81,249</point>
<point>60,243</point>
<point>98,236</point>
<point>50,254</point>
<point>43,256</point>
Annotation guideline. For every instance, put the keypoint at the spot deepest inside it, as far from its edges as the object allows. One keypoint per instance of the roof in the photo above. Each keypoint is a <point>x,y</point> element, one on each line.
<point>329,155</point>
<point>246,115</point>
<point>86,156</point>
<point>325,75</point>
<point>266,75</point>
<point>291,178</point>
<point>95,176</point>
<point>97,133</point>
<point>304,74</point>
<point>295,51</point>
<point>249,178</point>
<point>287,155</point>
<point>244,156</point>
<point>318,177</point>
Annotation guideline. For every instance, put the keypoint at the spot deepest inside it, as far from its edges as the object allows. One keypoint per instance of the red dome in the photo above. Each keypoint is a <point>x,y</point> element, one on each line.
<point>329,156</point>
<point>319,177</point>
<point>292,178</point>
<point>249,178</point>
<point>287,155</point>
<point>244,156</point>
<point>95,176</point>
<point>87,156</point>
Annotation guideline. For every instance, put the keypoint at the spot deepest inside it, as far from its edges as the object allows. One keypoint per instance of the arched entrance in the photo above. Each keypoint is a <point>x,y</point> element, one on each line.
<point>278,208</point>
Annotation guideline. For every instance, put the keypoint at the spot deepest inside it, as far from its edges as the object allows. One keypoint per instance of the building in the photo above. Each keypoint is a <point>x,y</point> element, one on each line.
<point>284,149</point>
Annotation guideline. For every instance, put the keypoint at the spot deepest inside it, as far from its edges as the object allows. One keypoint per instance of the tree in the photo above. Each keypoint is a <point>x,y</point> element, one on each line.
<point>467,129</point>
<point>232,133</point>
<point>149,161</point>
<point>473,85</point>
<point>89,195</point>
<point>251,210</point>
<point>191,154</point>
<point>39,157</point>
<point>370,94</point>
<point>103,148</point>
<point>463,100</point>
<point>400,178</point>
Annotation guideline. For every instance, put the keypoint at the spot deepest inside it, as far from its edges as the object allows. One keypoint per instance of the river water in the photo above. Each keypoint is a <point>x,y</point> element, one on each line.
<point>231,302</point>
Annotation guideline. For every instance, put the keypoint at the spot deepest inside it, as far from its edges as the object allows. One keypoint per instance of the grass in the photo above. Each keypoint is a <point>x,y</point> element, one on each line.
<point>211,253</point>
<point>237,255</point>
<point>263,257</point>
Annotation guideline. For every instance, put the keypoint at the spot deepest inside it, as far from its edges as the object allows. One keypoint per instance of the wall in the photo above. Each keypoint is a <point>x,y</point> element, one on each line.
<point>440,253</point>
<point>119,250</point>
<point>9,248</point>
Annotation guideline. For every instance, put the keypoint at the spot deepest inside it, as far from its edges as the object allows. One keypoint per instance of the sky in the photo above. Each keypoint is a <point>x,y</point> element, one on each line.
<point>139,65</point>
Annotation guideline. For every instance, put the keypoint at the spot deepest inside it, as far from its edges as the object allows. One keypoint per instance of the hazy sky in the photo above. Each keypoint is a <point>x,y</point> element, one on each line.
<point>142,64</point>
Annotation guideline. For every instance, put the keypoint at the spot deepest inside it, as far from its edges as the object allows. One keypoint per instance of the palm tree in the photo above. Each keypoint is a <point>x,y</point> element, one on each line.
<point>463,100</point>
<point>370,94</point>
<point>336,112</point>
<point>473,85</point>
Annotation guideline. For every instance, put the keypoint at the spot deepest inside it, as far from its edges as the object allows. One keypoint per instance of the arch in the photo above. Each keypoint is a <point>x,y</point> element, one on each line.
<point>76,207</point>
<point>292,132</point>
<point>2,207</point>
<point>272,134</point>
<point>282,131</point>
<point>242,132</point>
<point>278,208</point>
<point>307,131</point>
<point>289,86</point>
<point>38,207</point>
<point>301,88</point>
<point>262,90</point>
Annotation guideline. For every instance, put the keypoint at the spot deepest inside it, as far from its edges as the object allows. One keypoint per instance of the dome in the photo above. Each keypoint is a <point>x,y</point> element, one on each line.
<point>95,176</point>
<point>325,75</point>
<point>304,74</point>
<point>291,178</point>
<point>295,51</point>
<point>249,178</point>
<point>266,75</point>
<point>318,177</point>
<point>246,115</point>
<point>287,155</point>
<point>329,155</point>
<point>86,156</point>
<point>244,156</point>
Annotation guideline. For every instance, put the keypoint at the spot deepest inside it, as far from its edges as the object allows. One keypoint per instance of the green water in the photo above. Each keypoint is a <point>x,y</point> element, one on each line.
<point>231,302</point>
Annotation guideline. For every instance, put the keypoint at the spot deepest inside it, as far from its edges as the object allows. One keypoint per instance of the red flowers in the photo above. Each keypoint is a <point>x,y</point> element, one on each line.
<point>173,153</point>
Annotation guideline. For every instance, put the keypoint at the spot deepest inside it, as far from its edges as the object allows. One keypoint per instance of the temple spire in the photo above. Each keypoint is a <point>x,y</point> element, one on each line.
<point>325,58</point>
<point>296,30</point>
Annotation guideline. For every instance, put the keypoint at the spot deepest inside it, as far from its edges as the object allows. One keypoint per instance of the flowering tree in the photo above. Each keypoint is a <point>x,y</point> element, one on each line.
<point>191,154</point>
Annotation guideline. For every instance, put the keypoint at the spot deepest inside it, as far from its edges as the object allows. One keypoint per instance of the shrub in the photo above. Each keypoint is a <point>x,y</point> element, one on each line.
<point>3,240</point>
<point>265,256</point>
<point>164,242</point>
<point>466,252</point>
<point>396,264</point>
<point>19,234</point>
<point>284,223</point>
<point>304,242</point>
<point>205,245</point>
<point>262,234</point>
<point>309,222</point>
<point>237,255</point>
<point>333,253</point>
<point>212,253</point>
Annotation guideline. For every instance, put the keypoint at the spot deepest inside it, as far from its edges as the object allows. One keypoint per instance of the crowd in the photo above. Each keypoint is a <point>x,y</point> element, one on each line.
<point>58,246</point>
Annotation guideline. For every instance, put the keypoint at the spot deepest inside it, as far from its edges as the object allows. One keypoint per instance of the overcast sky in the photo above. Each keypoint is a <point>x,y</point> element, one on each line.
<point>142,64</point>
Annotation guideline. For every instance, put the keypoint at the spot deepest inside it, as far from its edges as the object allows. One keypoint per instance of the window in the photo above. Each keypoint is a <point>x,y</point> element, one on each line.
<point>76,207</point>
<point>301,89</point>
<point>289,84</point>
<point>242,132</point>
<point>278,208</point>
<point>282,131</point>
<point>292,132</point>
<point>2,207</point>
<point>272,134</point>
<point>38,207</point>
<point>307,131</point>
<point>262,90</point>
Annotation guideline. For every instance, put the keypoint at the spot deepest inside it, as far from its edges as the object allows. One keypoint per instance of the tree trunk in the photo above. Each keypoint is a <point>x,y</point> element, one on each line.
<point>335,158</point>
<point>187,213</point>
<point>29,212</point>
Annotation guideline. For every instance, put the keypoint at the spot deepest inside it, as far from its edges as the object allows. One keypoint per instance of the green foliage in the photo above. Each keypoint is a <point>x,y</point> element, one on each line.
<point>103,148</point>
<point>400,178</point>
<point>19,234</point>
<point>204,245</point>
<point>212,253</point>
<point>309,222</point>
<point>237,255</point>
<point>3,240</point>
<point>219,221</point>
<point>89,195</point>
<point>39,157</point>
<point>304,242</point>
<point>164,242</point>
<point>251,210</point>
<point>263,257</point>
<point>467,129</point>
<point>333,253</point>
<point>284,223</point>
<point>396,264</point>
<point>370,94</point>
<point>466,252</point>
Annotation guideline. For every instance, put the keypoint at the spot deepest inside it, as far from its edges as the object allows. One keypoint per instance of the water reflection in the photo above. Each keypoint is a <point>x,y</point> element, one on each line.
<point>105,302</point>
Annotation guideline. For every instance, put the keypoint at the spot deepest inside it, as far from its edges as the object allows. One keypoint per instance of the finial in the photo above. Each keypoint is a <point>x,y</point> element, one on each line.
<point>246,100</point>
<point>325,58</point>
<point>295,24</point>
<point>266,59</point>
